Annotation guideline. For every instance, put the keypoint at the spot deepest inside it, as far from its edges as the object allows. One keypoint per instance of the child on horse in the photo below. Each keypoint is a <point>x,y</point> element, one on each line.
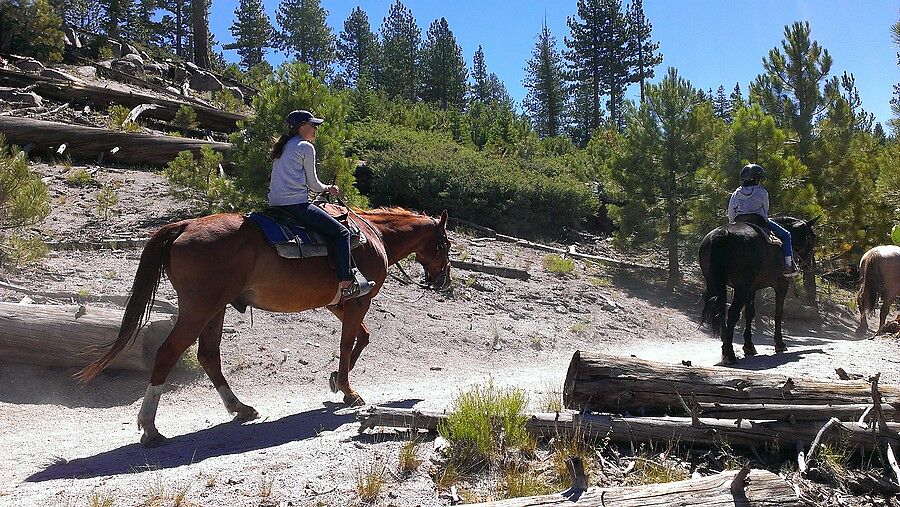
<point>293,175</point>
<point>752,199</point>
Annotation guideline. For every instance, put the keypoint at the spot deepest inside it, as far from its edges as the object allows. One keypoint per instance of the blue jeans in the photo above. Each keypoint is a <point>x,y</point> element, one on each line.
<point>316,219</point>
<point>784,235</point>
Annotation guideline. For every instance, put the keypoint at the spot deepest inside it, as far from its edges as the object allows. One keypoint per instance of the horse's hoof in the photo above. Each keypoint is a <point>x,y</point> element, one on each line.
<point>245,413</point>
<point>332,382</point>
<point>354,400</point>
<point>749,350</point>
<point>862,331</point>
<point>156,440</point>
<point>729,360</point>
<point>780,348</point>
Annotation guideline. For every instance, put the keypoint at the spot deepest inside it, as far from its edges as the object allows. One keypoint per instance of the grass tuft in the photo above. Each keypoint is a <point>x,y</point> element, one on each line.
<point>370,481</point>
<point>557,265</point>
<point>521,480</point>
<point>409,457</point>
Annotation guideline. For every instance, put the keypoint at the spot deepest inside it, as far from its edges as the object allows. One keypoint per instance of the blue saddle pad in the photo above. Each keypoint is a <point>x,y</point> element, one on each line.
<point>276,232</point>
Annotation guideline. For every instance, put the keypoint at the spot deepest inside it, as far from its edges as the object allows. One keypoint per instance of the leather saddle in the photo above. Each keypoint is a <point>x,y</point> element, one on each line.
<point>294,241</point>
<point>759,223</point>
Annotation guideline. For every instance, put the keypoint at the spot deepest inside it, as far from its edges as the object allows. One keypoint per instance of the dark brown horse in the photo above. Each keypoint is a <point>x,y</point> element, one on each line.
<point>879,271</point>
<point>740,256</point>
<point>220,259</point>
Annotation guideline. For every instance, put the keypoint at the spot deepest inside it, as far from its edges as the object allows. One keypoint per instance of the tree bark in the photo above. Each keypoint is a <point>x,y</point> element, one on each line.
<point>200,20</point>
<point>63,335</point>
<point>760,488</point>
<point>208,117</point>
<point>90,142</point>
<point>603,383</point>
<point>782,412</point>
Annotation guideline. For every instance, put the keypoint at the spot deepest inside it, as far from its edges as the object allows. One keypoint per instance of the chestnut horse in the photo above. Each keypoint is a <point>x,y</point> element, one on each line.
<point>879,270</point>
<point>220,259</point>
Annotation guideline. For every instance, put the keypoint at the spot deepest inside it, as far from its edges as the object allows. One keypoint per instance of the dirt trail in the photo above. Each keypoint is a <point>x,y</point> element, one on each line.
<point>60,444</point>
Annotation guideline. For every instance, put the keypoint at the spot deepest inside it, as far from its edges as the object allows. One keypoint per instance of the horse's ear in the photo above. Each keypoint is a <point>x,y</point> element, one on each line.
<point>813,221</point>
<point>444,218</point>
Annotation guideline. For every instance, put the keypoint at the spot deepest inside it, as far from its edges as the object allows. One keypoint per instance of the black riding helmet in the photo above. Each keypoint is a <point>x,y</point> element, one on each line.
<point>752,172</point>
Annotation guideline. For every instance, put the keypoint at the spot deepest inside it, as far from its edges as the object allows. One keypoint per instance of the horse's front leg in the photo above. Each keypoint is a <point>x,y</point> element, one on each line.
<point>734,314</point>
<point>354,337</point>
<point>780,293</point>
<point>749,314</point>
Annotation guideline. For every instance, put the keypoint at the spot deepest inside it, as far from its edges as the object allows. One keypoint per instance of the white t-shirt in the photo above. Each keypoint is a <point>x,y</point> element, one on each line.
<point>294,174</point>
<point>752,200</point>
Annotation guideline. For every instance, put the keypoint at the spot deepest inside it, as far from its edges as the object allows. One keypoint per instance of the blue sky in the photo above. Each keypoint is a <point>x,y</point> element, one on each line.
<point>710,42</point>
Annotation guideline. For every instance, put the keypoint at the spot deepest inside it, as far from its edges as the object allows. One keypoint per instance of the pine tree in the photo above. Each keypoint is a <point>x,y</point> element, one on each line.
<point>200,32</point>
<point>643,50</point>
<point>545,102</point>
<point>82,14</point>
<point>721,104</point>
<point>481,87</point>
<point>444,71</point>
<point>598,57</point>
<point>400,41</point>
<point>252,32</point>
<point>790,90</point>
<point>175,27</point>
<point>667,141</point>
<point>306,35</point>
<point>497,92</point>
<point>31,27</point>
<point>894,122</point>
<point>357,48</point>
<point>737,98</point>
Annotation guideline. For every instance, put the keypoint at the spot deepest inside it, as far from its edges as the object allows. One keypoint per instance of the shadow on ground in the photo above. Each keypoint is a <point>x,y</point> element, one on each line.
<point>223,439</point>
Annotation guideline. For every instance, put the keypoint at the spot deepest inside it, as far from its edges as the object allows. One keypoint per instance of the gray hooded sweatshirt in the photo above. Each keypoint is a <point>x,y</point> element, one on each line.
<point>752,200</point>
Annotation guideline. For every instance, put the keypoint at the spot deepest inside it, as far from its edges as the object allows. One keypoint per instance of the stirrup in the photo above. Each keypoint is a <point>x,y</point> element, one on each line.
<point>359,286</point>
<point>790,272</point>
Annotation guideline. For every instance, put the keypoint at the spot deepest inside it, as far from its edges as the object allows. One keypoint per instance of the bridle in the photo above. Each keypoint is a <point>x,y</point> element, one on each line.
<point>443,249</point>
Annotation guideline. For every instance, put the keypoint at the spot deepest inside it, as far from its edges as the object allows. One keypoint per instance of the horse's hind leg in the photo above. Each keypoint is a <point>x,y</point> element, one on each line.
<point>749,314</point>
<point>186,329</point>
<point>889,297</point>
<point>734,314</point>
<point>208,353</point>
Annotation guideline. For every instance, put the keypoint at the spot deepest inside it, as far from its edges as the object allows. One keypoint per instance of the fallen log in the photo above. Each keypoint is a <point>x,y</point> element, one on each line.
<point>779,412</point>
<point>758,488</point>
<point>207,117</point>
<point>62,335</point>
<point>159,304</point>
<point>89,142</point>
<point>628,429</point>
<point>493,269</point>
<point>603,383</point>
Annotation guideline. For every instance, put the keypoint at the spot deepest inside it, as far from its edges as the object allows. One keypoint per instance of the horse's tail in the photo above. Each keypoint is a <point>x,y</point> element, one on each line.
<point>154,260</point>
<point>867,296</point>
<point>714,297</point>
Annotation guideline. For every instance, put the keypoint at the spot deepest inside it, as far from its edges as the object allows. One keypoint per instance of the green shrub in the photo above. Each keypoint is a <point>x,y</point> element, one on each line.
<point>558,265</point>
<point>107,198</point>
<point>485,424</point>
<point>430,172</point>
<point>225,100</point>
<point>118,119</point>
<point>202,180</point>
<point>79,178</point>
<point>31,28</point>
<point>23,203</point>
<point>293,87</point>
<point>185,118</point>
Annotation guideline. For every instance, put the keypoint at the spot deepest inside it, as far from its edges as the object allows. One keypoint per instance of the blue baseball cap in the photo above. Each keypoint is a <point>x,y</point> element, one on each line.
<point>300,116</point>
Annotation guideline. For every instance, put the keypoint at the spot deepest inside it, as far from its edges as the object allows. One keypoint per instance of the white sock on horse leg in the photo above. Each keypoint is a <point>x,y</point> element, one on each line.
<point>788,260</point>
<point>228,397</point>
<point>147,414</point>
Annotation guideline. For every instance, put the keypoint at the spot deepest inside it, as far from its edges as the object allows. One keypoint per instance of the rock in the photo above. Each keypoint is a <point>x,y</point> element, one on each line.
<point>205,82</point>
<point>126,66</point>
<point>16,96</point>
<point>30,65</point>
<point>130,50</point>
<point>191,66</point>
<point>61,75</point>
<point>154,69</point>
<point>72,38</point>
<point>134,57</point>
<point>88,71</point>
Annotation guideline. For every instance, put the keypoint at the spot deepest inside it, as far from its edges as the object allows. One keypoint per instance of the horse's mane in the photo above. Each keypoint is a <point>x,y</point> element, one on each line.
<point>388,212</point>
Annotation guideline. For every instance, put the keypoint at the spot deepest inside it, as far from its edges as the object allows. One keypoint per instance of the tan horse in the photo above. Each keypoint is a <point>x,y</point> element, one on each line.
<point>879,270</point>
<point>220,259</point>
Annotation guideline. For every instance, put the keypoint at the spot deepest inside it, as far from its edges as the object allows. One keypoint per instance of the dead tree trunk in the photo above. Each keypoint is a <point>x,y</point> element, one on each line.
<point>91,142</point>
<point>603,383</point>
<point>65,91</point>
<point>760,411</point>
<point>628,430</point>
<point>62,335</point>
<point>758,488</point>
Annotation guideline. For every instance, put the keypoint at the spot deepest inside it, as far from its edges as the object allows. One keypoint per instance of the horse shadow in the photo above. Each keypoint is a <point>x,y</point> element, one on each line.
<point>220,440</point>
<point>765,362</point>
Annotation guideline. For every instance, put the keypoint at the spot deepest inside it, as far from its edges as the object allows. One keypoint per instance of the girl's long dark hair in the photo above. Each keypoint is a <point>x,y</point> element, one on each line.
<point>278,147</point>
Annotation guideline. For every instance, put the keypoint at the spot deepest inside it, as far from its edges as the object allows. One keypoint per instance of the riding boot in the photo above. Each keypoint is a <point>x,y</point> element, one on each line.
<point>790,270</point>
<point>359,286</point>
